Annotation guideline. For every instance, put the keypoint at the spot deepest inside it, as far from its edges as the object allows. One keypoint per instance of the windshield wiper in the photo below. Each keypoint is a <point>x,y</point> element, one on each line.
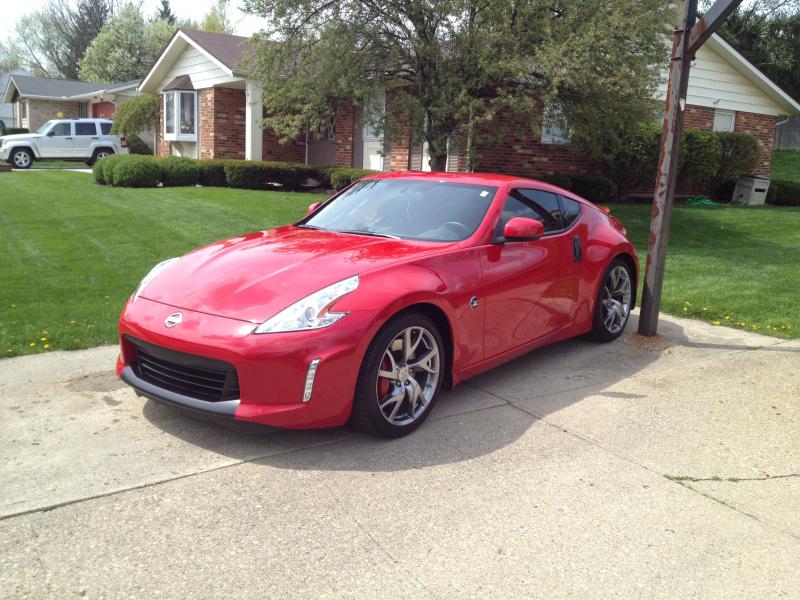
<point>307,226</point>
<point>372,233</point>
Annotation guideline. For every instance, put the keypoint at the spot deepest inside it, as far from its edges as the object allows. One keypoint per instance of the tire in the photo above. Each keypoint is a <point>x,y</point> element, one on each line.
<point>21,158</point>
<point>614,302</point>
<point>100,153</point>
<point>409,395</point>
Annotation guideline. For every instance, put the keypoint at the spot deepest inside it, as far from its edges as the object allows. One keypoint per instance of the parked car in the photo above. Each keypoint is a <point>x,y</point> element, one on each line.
<point>398,286</point>
<point>81,140</point>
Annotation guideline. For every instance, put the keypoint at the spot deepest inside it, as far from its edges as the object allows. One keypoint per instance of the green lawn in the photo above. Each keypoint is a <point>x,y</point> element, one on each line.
<point>72,252</point>
<point>786,165</point>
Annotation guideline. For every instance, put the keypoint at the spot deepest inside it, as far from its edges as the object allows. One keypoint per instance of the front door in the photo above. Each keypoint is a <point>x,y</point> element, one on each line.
<point>530,288</point>
<point>322,149</point>
<point>57,142</point>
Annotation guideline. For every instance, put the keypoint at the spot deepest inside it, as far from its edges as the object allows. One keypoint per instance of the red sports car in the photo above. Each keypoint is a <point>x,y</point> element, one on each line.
<point>398,286</point>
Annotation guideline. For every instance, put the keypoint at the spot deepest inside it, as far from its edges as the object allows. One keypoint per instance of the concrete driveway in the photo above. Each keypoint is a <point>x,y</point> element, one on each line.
<point>663,468</point>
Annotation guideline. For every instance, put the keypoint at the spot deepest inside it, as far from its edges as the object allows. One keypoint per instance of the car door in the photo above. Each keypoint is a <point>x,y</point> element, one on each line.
<point>85,136</point>
<point>57,142</point>
<point>530,287</point>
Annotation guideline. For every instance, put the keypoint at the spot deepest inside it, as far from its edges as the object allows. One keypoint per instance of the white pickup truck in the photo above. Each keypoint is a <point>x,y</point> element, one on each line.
<point>81,140</point>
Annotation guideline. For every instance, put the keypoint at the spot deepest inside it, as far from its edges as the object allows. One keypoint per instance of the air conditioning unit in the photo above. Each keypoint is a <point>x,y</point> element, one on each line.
<point>750,191</point>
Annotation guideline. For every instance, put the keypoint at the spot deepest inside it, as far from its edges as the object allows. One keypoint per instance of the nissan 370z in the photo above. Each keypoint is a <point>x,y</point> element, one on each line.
<point>400,286</point>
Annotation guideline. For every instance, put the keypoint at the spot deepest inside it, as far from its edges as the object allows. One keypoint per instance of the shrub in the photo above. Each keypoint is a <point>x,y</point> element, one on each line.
<point>787,193</point>
<point>265,175</point>
<point>739,155</point>
<point>343,176</point>
<point>137,146</point>
<point>557,179</point>
<point>13,130</point>
<point>635,160</point>
<point>178,171</point>
<point>136,171</point>
<point>212,173</point>
<point>593,187</point>
<point>699,159</point>
<point>102,168</point>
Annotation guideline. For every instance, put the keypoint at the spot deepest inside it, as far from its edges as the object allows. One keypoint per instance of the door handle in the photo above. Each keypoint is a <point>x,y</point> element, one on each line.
<point>577,249</point>
<point>95,138</point>
<point>68,138</point>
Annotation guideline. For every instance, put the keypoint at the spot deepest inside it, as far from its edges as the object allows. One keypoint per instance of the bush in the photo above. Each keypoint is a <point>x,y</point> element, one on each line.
<point>635,160</point>
<point>699,159</point>
<point>13,130</point>
<point>179,170</point>
<point>787,193</point>
<point>135,171</point>
<point>257,175</point>
<point>556,179</point>
<point>212,173</point>
<point>102,168</point>
<point>137,146</point>
<point>740,153</point>
<point>593,187</point>
<point>341,177</point>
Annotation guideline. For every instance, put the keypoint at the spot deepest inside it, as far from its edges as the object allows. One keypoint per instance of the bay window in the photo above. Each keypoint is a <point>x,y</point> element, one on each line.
<point>180,116</point>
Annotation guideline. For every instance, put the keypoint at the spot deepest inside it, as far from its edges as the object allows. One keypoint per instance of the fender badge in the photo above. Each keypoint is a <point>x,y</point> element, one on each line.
<point>173,320</point>
<point>473,302</point>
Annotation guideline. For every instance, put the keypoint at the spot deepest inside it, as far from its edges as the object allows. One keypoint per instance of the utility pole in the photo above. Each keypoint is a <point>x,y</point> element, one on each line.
<point>688,36</point>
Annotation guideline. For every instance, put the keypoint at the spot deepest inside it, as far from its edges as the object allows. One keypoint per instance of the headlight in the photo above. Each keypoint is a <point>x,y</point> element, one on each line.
<point>312,312</point>
<point>152,275</point>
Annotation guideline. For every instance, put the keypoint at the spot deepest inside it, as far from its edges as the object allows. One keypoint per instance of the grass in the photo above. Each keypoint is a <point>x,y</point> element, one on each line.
<point>71,252</point>
<point>786,165</point>
<point>734,267</point>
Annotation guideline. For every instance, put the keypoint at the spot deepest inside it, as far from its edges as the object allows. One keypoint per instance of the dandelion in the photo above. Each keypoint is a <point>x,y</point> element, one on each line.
<point>32,344</point>
<point>44,339</point>
<point>705,309</point>
<point>715,323</point>
<point>727,317</point>
<point>46,346</point>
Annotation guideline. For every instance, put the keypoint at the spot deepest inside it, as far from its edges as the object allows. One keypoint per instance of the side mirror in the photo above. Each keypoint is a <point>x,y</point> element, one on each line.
<point>312,207</point>
<point>522,229</point>
<point>51,133</point>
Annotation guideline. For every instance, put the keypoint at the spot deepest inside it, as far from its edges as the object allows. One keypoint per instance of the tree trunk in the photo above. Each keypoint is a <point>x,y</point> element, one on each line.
<point>438,163</point>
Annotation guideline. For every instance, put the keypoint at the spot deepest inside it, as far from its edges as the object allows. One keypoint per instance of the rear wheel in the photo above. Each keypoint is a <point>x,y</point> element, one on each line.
<point>613,305</point>
<point>400,378</point>
<point>21,158</point>
<point>100,153</point>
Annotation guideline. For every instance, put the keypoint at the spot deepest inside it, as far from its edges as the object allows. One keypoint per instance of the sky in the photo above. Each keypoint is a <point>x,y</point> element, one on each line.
<point>185,9</point>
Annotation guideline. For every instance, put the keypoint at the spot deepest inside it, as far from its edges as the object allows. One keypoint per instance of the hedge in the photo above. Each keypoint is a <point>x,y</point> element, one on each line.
<point>787,193</point>
<point>135,171</point>
<point>13,130</point>
<point>179,171</point>
<point>103,167</point>
<point>739,155</point>
<point>137,146</point>
<point>212,173</point>
<point>341,177</point>
<point>257,175</point>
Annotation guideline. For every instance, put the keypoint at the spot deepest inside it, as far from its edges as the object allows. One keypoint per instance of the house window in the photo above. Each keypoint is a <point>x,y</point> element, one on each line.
<point>724,120</point>
<point>180,116</point>
<point>554,127</point>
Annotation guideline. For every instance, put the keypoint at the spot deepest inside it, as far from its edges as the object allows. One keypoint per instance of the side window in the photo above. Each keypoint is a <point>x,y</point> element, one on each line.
<point>571,210</point>
<point>532,204</point>
<point>105,128</point>
<point>85,129</point>
<point>61,129</point>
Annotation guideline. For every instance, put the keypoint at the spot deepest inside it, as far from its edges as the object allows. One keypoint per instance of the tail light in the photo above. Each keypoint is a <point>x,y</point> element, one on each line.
<point>123,142</point>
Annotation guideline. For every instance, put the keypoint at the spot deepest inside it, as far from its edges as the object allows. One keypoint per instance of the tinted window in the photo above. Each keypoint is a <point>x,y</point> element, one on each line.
<point>408,208</point>
<point>571,210</point>
<point>105,128</point>
<point>85,129</point>
<point>532,204</point>
<point>61,129</point>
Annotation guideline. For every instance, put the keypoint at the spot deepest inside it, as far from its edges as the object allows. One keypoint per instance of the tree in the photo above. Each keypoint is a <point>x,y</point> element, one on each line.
<point>126,47</point>
<point>218,20</point>
<point>51,41</point>
<point>444,63</point>
<point>138,114</point>
<point>767,33</point>
<point>165,13</point>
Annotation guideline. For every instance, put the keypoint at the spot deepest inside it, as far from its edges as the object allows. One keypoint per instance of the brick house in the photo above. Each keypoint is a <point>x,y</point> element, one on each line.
<point>211,110</point>
<point>36,100</point>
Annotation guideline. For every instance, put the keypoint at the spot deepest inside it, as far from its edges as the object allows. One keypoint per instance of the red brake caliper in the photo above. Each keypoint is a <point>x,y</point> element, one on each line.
<point>383,383</point>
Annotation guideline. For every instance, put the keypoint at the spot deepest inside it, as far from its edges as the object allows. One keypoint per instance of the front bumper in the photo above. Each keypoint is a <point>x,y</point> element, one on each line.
<point>271,368</point>
<point>4,154</point>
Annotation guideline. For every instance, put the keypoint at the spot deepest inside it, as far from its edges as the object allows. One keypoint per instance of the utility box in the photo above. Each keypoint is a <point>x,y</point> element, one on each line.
<point>750,191</point>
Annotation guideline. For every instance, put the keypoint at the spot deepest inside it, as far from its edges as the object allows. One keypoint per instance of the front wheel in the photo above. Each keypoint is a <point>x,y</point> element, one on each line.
<point>400,378</point>
<point>613,304</point>
<point>22,158</point>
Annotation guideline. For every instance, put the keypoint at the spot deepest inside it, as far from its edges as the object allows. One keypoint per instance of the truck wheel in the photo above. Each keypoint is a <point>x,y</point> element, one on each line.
<point>100,153</point>
<point>21,158</point>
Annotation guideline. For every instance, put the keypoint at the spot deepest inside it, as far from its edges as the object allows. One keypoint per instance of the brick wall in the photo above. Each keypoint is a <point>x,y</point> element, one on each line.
<point>41,111</point>
<point>272,149</point>
<point>162,147</point>
<point>698,117</point>
<point>345,125</point>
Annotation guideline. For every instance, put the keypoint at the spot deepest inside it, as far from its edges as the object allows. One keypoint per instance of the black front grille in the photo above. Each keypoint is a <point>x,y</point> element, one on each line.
<point>187,374</point>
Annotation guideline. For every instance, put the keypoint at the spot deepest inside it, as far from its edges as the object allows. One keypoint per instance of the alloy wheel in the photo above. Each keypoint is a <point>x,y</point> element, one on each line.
<point>408,375</point>
<point>616,299</point>
<point>22,159</point>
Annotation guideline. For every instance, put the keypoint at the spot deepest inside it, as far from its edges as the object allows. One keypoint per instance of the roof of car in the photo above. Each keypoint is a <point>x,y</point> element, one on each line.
<point>495,179</point>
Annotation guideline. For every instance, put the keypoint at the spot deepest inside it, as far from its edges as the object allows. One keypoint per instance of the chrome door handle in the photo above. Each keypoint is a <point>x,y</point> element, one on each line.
<point>95,138</point>
<point>67,138</point>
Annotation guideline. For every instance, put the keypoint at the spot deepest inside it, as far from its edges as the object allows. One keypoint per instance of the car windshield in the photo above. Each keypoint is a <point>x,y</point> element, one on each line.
<point>415,209</point>
<point>44,127</point>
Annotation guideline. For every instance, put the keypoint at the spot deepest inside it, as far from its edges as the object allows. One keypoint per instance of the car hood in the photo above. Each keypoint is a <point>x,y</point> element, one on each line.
<point>20,136</point>
<point>255,276</point>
